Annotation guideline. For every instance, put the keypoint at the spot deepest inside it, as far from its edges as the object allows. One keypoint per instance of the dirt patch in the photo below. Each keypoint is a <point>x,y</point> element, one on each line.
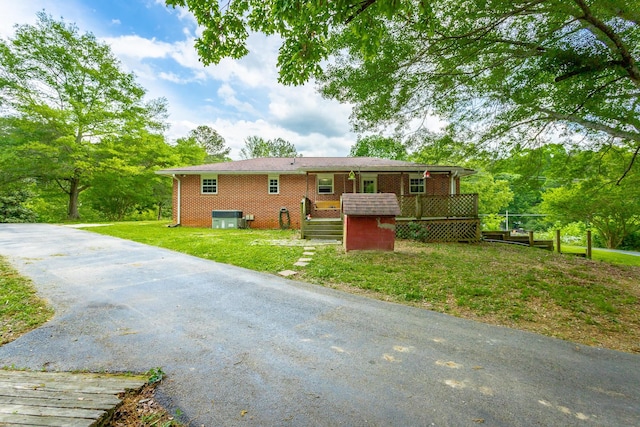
<point>140,409</point>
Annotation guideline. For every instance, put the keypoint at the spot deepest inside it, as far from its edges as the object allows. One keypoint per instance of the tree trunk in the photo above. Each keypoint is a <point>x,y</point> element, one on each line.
<point>74,193</point>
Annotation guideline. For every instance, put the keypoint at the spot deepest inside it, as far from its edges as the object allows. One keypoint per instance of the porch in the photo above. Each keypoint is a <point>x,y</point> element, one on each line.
<point>429,218</point>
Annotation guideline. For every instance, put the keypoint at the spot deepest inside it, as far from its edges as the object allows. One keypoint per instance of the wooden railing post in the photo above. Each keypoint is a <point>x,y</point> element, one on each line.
<point>531,238</point>
<point>303,216</point>
<point>558,241</point>
<point>588,244</point>
<point>418,206</point>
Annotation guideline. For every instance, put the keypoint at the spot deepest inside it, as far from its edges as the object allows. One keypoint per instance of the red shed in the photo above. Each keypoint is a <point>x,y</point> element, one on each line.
<point>369,221</point>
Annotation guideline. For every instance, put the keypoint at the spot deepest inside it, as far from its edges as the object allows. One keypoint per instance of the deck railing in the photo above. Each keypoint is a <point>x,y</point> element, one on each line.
<point>444,206</point>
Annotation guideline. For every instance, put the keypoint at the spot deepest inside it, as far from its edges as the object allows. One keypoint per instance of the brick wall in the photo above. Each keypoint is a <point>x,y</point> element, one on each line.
<point>249,194</point>
<point>246,193</point>
<point>438,184</point>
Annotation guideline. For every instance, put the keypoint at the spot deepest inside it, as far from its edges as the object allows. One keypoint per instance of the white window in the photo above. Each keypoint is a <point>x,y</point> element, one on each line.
<point>209,184</point>
<point>416,185</point>
<point>325,184</point>
<point>274,184</point>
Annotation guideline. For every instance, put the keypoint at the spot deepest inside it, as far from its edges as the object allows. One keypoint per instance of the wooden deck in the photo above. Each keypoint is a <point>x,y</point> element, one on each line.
<point>61,398</point>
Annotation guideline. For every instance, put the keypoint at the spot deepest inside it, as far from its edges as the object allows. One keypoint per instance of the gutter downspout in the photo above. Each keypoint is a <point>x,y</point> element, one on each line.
<point>179,199</point>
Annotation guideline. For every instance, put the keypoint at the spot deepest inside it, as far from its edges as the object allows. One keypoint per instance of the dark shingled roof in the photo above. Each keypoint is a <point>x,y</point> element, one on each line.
<point>302,165</point>
<point>377,204</point>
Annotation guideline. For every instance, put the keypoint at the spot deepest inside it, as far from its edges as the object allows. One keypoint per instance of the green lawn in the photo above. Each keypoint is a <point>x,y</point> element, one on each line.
<point>600,255</point>
<point>251,249</point>
<point>20,309</point>
<point>588,301</point>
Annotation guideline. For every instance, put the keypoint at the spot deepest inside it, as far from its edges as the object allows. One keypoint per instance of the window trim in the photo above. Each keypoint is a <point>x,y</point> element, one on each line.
<point>325,176</point>
<point>277,179</point>
<point>202,185</point>
<point>424,184</point>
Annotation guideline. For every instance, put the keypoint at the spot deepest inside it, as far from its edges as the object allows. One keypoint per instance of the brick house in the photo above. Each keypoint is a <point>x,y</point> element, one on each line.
<point>261,188</point>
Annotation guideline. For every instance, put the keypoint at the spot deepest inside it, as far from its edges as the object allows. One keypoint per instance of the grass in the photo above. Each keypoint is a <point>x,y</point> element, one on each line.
<point>601,255</point>
<point>588,301</point>
<point>250,249</point>
<point>20,309</point>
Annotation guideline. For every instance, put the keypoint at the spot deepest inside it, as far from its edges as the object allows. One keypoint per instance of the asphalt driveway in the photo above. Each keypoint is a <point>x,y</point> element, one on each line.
<point>251,349</point>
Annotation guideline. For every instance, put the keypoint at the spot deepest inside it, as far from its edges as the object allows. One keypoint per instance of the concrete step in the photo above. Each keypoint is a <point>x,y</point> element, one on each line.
<point>323,237</point>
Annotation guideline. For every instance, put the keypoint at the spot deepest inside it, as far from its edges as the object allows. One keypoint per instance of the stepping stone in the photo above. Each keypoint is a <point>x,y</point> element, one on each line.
<point>301,264</point>
<point>308,253</point>
<point>305,259</point>
<point>287,273</point>
<point>309,248</point>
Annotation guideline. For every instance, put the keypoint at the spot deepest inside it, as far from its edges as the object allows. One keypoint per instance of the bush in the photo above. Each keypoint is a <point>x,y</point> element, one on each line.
<point>574,233</point>
<point>13,209</point>
<point>412,231</point>
<point>631,242</point>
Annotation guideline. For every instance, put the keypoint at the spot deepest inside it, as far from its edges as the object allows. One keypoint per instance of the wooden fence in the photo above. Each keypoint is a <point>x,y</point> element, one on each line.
<point>439,230</point>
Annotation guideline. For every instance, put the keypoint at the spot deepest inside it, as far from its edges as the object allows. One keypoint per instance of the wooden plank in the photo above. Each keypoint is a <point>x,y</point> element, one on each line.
<point>51,386</point>
<point>65,377</point>
<point>63,402</point>
<point>7,392</point>
<point>41,411</point>
<point>60,399</point>
<point>73,384</point>
<point>30,420</point>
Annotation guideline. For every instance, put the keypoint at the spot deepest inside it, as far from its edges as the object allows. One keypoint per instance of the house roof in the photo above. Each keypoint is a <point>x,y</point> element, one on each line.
<point>376,204</point>
<point>302,165</point>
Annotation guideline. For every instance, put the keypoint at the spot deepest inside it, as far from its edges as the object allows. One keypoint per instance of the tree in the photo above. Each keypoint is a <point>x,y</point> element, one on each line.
<point>592,196</point>
<point>120,188</point>
<point>255,146</point>
<point>506,70</point>
<point>65,92</point>
<point>614,211</point>
<point>214,144</point>
<point>379,146</point>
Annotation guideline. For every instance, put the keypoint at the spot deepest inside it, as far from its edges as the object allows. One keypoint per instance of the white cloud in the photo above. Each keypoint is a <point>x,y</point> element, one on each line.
<point>238,98</point>
<point>228,95</point>
<point>137,47</point>
<point>171,77</point>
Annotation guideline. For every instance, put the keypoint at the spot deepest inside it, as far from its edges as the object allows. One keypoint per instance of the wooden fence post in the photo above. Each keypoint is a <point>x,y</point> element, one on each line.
<point>558,241</point>
<point>418,206</point>
<point>588,244</point>
<point>303,216</point>
<point>531,238</point>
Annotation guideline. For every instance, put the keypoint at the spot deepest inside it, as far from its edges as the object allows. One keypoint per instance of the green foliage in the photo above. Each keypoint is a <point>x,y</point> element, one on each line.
<point>214,144</point>
<point>380,147</point>
<point>412,231</point>
<point>65,92</point>
<point>305,28</point>
<point>614,211</point>
<point>13,205</point>
<point>595,195</point>
<point>491,222</point>
<point>155,375</point>
<point>493,194</point>
<point>255,147</point>
<point>573,233</point>
<point>497,70</point>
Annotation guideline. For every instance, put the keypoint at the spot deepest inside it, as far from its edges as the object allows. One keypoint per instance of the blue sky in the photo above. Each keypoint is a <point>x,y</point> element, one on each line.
<point>238,98</point>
